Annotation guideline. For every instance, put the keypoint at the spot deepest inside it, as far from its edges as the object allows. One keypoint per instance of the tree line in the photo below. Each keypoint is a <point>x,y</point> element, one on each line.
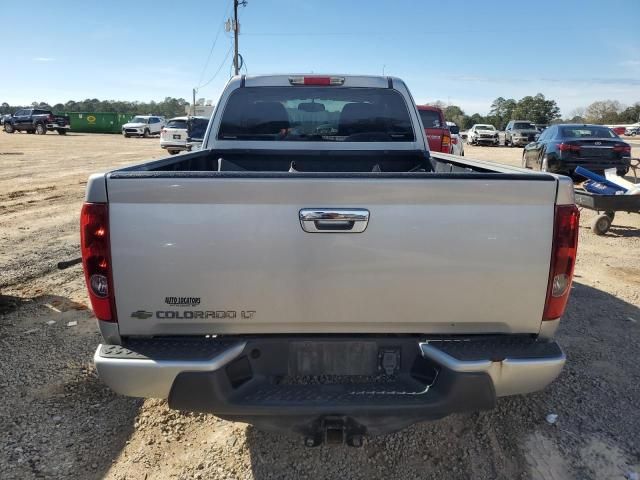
<point>540,110</point>
<point>536,109</point>
<point>608,112</point>
<point>169,107</point>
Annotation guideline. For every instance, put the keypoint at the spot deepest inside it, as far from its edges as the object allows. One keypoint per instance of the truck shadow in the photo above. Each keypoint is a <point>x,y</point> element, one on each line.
<point>57,419</point>
<point>497,443</point>
<point>623,231</point>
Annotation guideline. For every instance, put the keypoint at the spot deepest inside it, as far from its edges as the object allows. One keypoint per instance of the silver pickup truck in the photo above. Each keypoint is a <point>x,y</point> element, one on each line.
<point>315,270</point>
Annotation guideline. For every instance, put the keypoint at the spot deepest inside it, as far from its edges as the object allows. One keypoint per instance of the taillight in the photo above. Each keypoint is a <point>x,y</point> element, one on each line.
<point>446,143</point>
<point>96,259</point>
<point>622,149</point>
<point>50,119</point>
<point>563,260</point>
<point>567,147</point>
<point>316,80</point>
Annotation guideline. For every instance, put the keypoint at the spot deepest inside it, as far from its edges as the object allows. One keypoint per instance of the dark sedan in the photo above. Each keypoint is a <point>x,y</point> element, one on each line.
<point>561,148</point>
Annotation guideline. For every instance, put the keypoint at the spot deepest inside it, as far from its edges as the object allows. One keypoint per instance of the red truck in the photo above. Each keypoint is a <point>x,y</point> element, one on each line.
<point>435,128</point>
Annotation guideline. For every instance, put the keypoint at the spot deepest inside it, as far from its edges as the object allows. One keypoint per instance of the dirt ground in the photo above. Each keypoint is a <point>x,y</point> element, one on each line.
<point>58,421</point>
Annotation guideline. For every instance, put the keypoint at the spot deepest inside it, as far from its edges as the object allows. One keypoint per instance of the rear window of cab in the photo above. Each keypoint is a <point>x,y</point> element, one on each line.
<point>316,114</point>
<point>430,119</point>
<point>182,124</point>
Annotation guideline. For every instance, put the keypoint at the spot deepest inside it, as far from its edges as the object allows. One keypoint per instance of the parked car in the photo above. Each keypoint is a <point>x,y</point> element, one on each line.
<point>561,148</point>
<point>197,127</point>
<point>618,130</point>
<point>519,133</point>
<point>280,252</point>
<point>143,126</point>
<point>632,131</point>
<point>174,135</point>
<point>36,120</point>
<point>483,134</point>
<point>457,145</point>
<point>435,128</point>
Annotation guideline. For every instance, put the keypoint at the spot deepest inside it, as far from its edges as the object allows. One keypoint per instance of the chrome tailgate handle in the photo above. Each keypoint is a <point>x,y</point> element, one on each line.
<point>334,220</point>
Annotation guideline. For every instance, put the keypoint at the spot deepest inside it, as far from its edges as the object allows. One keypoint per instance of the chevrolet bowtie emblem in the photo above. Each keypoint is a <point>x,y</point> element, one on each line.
<point>141,314</point>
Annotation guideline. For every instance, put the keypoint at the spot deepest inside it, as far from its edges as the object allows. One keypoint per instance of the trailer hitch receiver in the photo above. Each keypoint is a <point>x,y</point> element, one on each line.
<point>336,430</point>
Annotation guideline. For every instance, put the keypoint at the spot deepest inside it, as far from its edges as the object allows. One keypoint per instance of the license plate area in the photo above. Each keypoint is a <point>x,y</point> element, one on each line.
<point>596,152</point>
<point>333,358</point>
<point>176,137</point>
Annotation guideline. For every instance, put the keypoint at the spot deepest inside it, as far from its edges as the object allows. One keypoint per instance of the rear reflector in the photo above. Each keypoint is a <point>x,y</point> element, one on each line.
<point>96,259</point>
<point>563,260</point>
<point>319,81</point>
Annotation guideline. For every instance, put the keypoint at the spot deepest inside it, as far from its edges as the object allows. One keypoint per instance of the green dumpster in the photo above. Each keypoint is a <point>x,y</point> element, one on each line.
<point>97,122</point>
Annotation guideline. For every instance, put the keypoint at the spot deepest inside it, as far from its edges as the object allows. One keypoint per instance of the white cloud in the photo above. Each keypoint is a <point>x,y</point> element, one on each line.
<point>44,59</point>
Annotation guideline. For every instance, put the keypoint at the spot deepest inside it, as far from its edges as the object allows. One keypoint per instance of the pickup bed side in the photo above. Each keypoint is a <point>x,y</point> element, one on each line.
<point>334,289</point>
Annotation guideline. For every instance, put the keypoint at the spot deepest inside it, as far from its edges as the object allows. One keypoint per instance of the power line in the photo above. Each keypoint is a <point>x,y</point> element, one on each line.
<point>219,68</point>
<point>215,40</point>
<point>398,33</point>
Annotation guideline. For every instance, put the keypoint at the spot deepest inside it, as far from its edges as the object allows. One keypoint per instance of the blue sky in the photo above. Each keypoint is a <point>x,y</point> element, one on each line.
<point>465,52</point>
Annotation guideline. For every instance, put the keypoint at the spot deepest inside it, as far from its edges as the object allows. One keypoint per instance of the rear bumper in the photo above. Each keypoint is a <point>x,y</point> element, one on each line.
<point>521,370</point>
<point>55,126</point>
<point>173,145</point>
<point>597,164</point>
<point>258,380</point>
<point>148,370</point>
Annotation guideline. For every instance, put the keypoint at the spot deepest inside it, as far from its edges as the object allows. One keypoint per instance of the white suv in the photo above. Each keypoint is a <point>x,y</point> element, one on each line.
<point>174,135</point>
<point>143,126</point>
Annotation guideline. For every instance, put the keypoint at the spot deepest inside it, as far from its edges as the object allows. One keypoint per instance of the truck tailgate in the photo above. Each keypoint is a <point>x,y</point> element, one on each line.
<point>434,137</point>
<point>229,255</point>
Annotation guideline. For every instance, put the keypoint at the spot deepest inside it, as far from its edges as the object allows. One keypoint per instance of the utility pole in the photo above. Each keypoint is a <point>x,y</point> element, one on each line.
<point>236,30</point>
<point>194,103</point>
<point>235,37</point>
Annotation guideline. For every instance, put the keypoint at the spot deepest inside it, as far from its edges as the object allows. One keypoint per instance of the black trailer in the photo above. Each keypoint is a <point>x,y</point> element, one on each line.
<point>607,206</point>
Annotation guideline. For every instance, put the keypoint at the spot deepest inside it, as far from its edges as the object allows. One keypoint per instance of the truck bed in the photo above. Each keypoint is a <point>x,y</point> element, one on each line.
<point>300,162</point>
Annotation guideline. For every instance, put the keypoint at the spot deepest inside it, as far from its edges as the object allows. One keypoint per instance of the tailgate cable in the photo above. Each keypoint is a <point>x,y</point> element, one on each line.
<point>393,392</point>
